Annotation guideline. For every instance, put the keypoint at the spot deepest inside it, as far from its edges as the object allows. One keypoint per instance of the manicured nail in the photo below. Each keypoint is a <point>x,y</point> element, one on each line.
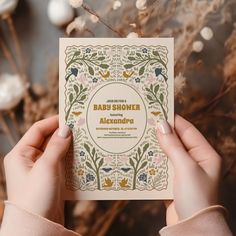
<point>164,127</point>
<point>64,132</point>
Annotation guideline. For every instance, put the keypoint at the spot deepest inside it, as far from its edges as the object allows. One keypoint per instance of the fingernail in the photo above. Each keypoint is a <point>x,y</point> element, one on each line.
<point>164,127</point>
<point>64,132</point>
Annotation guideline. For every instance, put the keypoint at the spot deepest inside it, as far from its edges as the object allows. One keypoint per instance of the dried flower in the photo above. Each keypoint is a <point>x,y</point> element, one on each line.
<point>78,24</point>
<point>206,33</point>
<point>116,5</point>
<point>94,18</point>
<point>76,3</point>
<point>180,82</point>
<point>132,35</point>
<point>141,4</point>
<point>198,46</point>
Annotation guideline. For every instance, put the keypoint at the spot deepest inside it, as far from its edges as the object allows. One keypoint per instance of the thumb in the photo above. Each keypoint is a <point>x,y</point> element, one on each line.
<point>58,145</point>
<point>172,146</point>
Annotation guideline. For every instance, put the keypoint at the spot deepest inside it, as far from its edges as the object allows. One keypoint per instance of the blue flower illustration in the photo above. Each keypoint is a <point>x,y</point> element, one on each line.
<point>150,153</point>
<point>144,50</point>
<point>143,177</point>
<point>137,80</point>
<point>90,178</point>
<point>95,80</point>
<point>82,153</point>
<point>88,50</point>
<point>71,126</point>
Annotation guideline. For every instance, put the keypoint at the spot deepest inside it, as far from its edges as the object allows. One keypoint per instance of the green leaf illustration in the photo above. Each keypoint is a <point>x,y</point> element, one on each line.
<point>88,165</point>
<point>128,66</point>
<point>145,147</point>
<point>93,152</point>
<point>161,97</point>
<point>156,88</point>
<point>94,54</point>
<point>76,88</point>
<point>83,97</point>
<point>100,163</point>
<point>143,165</point>
<point>101,58</point>
<point>149,98</point>
<point>71,97</point>
<point>141,70</point>
<point>155,53</point>
<point>139,151</point>
<point>138,54</point>
<point>131,58</point>
<point>131,162</point>
<point>77,53</point>
<point>91,70</point>
<point>104,66</point>
<point>87,148</point>
<point>148,90</point>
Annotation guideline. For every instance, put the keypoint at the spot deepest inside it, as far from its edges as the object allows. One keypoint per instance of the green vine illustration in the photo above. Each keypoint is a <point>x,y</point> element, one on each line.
<point>97,163</point>
<point>78,96</point>
<point>135,162</point>
<point>144,60</point>
<point>153,97</point>
<point>88,59</point>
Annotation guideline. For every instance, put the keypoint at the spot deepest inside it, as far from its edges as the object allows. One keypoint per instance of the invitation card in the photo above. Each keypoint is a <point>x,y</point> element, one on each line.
<point>113,91</point>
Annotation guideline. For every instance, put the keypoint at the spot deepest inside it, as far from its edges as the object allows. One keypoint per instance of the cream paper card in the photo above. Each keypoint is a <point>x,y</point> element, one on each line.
<point>112,94</point>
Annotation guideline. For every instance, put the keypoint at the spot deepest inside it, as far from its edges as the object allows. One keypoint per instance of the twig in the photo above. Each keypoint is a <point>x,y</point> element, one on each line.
<point>8,56</point>
<point>15,122</point>
<point>86,8</point>
<point>104,223</point>
<point>7,130</point>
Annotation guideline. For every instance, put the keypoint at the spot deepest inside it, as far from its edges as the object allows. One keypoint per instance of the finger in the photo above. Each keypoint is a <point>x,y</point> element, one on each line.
<point>58,146</point>
<point>185,130</point>
<point>37,134</point>
<point>172,146</point>
<point>196,144</point>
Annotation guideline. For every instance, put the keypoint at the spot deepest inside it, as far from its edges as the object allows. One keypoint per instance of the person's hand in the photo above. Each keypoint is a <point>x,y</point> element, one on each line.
<point>197,169</point>
<point>32,169</point>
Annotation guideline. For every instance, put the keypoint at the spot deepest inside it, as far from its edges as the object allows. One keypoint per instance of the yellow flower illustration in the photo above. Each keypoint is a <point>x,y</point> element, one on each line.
<point>80,172</point>
<point>124,183</point>
<point>108,183</point>
<point>152,172</point>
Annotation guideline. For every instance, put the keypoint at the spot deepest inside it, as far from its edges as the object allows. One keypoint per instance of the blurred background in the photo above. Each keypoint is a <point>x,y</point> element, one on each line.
<point>205,84</point>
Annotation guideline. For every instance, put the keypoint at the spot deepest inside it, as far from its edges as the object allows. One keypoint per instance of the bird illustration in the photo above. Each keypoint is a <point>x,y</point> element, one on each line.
<point>127,74</point>
<point>158,71</point>
<point>104,75</point>
<point>107,169</point>
<point>76,113</point>
<point>74,71</point>
<point>156,113</point>
<point>126,169</point>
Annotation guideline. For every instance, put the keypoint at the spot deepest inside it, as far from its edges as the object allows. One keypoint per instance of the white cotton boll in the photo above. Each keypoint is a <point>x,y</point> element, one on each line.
<point>60,12</point>
<point>198,46</point>
<point>94,18</point>
<point>207,33</point>
<point>76,3</point>
<point>132,35</point>
<point>11,91</point>
<point>7,7</point>
<point>141,4</point>
<point>116,5</point>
